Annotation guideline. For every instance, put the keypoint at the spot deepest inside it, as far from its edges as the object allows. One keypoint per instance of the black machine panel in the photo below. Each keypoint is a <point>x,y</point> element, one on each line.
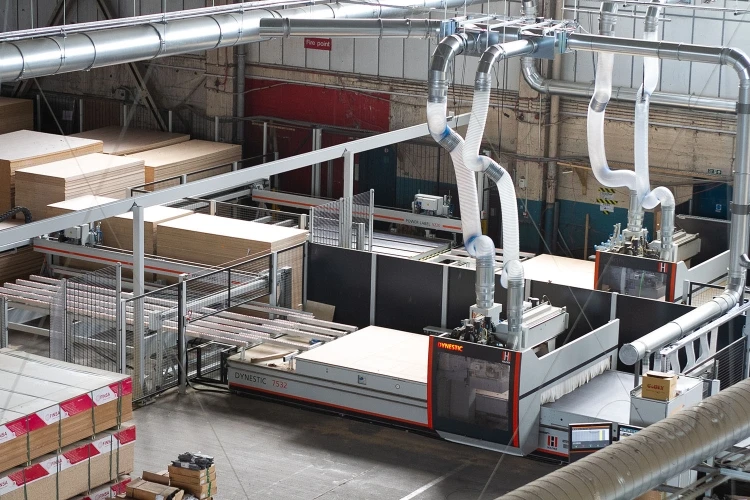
<point>409,294</point>
<point>341,278</point>
<point>473,390</point>
<point>635,276</point>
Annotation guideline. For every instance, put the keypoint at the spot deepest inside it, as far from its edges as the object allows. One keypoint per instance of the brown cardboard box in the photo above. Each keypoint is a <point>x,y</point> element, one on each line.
<point>192,476</point>
<point>658,385</point>
<point>161,477</point>
<point>146,490</point>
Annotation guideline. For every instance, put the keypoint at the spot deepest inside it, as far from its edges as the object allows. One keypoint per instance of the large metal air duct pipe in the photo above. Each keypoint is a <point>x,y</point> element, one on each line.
<point>636,464</point>
<point>82,51</point>
<point>738,243</point>
<point>350,28</point>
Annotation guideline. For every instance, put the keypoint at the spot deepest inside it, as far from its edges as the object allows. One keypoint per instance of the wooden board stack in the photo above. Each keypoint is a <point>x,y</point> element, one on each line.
<point>63,427</point>
<point>213,240</point>
<point>126,141</point>
<point>188,157</point>
<point>25,148</point>
<point>97,174</point>
<point>16,114</point>
<point>118,230</point>
<point>19,263</point>
<point>217,241</point>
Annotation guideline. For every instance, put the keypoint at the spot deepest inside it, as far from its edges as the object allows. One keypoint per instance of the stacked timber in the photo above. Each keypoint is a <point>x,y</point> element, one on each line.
<point>118,231</point>
<point>19,263</point>
<point>212,240</point>
<point>189,157</point>
<point>219,241</point>
<point>128,140</point>
<point>25,148</point>
<point>64,427</point>
<point>16,114</point>
<point>97,174</point>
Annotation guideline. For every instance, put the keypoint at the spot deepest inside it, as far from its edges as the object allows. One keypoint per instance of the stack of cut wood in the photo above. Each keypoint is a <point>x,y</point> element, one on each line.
<point>217,241</point>
<point>212,240</point>
<point>25,149</point>
<point>118,230</point>
<point>189,157</point>
<point>192,473</point>
<point>16,114</point>
<point>97,174</point>
<point>64,427</point>
<point>128,140</point>
<point>19,263</point>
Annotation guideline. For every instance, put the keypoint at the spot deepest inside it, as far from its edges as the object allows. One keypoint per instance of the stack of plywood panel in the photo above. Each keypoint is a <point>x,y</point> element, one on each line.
<point>24,149</point>
<point>189,157</point>
<point>97,174</point>
<point>216,241</point>
<point>63,427</point>
<point>19,263</point>
<point>16,114</point>
<point>118,230</point>
<point>126,141</point>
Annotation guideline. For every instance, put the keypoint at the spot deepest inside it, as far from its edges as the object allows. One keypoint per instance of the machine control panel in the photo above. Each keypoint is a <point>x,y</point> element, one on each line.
<point>586,439</point>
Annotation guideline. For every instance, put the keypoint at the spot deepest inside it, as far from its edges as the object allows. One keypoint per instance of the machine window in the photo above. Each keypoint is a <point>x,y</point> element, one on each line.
<point>473,390</point>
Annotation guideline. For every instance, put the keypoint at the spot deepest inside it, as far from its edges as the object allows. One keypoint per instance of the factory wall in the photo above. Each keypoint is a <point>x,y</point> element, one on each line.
<point>391,74</point>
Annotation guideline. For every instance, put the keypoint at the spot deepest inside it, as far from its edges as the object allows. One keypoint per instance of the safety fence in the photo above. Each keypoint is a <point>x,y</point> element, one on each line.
<point>94,323</point>
<point>84,320</point>
<point>700,293</point>
<point>346,222</point>
<point>728,366</point>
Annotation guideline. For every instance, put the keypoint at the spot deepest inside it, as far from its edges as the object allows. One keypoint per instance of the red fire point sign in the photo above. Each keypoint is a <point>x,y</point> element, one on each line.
<point>318,43</point>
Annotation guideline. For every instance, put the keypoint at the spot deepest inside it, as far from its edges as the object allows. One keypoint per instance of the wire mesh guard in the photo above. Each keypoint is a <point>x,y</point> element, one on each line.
<point>727,365</point>
<point>83,320</point>
<point>346,222</point>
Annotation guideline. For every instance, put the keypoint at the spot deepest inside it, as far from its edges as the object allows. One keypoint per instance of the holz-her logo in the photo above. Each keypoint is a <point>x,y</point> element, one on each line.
<point>450,347</point>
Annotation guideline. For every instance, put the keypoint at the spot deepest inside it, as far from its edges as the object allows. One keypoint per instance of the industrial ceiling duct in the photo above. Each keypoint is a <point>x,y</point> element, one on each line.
<point>95,48</point>
<point>638,463</point>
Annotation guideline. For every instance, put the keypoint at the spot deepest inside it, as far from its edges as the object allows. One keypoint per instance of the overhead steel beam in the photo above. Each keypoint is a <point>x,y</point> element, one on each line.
<point>22,235</point>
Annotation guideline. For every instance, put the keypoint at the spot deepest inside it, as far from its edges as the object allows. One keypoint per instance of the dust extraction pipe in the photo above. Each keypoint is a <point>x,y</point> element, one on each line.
<point>738,242</point>
<point>82,51</point>
<point>350,28</point>
<point>636,464</point>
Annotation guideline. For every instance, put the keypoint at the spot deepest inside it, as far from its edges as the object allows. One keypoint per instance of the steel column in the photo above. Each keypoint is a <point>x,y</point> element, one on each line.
<point>317,143</point>
<point>138,290</point>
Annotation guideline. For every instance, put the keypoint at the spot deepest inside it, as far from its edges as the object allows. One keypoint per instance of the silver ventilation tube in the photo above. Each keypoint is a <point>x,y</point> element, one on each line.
<point>740,230</point>
<point>350,28</point>
<point>82,51</point>
<point>636,464</point>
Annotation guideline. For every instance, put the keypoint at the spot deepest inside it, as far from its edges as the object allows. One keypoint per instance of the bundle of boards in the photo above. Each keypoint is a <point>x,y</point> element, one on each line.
<point>64,427</point>
<point>118,231</point>
<point>129,140</point>
<point>16,114</point>
<point>20,262</point>
<point>97,174</point>
<point>187,158</point>
<point>25,148</point>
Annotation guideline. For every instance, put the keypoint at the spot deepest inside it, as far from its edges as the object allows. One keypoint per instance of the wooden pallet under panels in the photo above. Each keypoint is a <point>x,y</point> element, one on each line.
<point>25,148</point>
<point>47,404</point>
<point>127,141</point>
<point>96,174</point>
<point>189,157</point>
<point>16,114</point>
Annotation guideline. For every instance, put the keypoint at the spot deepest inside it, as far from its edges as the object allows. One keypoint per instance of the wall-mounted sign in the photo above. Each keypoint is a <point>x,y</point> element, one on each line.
<point>318,43</point>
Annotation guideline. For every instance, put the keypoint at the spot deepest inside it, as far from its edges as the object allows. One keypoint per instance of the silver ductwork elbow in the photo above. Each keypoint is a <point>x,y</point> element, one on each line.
<point>438,78</point>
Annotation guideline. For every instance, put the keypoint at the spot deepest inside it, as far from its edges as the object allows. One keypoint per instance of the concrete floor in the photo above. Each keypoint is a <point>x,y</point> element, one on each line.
<point>270,450</point>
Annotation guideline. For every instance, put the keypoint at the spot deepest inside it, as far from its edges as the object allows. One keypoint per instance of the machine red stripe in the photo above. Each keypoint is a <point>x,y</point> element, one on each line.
<point>429,383</point>
<point>517,385</point>
<point>331,405</point>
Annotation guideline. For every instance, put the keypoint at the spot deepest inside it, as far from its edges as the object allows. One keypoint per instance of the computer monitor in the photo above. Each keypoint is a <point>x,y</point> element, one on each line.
<point>587,438</point>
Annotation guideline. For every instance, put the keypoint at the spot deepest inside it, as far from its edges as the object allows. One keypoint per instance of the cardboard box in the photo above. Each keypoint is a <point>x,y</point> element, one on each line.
<point>201,491</point>
<point>659,386</point>
<point>146,490</point>
<point>161,477</point>
<point>192,476</point>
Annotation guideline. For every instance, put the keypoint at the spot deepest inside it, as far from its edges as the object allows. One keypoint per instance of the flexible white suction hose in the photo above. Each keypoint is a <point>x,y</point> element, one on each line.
<point>511,243</point>
<point>595,128</point>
